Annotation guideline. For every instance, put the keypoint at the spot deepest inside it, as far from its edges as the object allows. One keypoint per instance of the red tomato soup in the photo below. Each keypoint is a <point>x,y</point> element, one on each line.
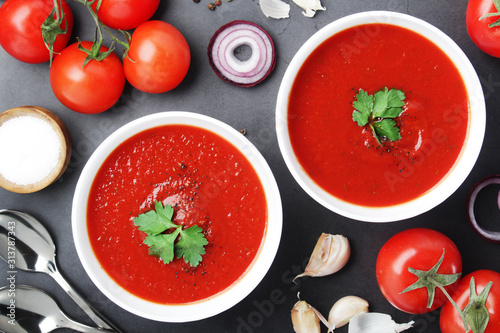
<point>208,181</point>
<point>344,158</point>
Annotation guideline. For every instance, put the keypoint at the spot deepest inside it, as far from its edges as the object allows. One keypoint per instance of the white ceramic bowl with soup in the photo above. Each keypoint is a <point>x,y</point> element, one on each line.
<point>213,177</point>
<point>362,60</point>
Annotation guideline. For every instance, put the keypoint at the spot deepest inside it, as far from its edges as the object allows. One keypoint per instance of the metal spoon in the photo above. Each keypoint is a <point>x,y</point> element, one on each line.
<point>29,310</point>
<point>35,252</point>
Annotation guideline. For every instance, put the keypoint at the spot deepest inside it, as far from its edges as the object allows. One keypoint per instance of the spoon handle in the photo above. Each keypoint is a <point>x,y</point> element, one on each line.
<point>104,324</point>
<point>79,327</point>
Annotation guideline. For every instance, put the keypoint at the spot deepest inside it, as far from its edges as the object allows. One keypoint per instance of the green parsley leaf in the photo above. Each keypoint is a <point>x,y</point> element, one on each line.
<point>388,103</point>
<point>387,128</point>
<point>162,245</point>
<point>191,245</point>
<point>156,224</point>
<point>156,221</point>
<point>364,106</point>
<point>378,110</point>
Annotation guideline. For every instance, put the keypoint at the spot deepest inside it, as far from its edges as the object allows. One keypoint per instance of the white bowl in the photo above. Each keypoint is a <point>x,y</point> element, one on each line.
<point>459,172</point>
<point>184,312</point>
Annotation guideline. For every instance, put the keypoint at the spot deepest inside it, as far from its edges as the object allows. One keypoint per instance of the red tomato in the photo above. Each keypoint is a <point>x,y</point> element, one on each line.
<point>90,89</point>
<point>125,14</point>
<point>420,249</point>
<point>486,38</point>
<point>20,33</point>
<point>450,321</point>
<point>160,57</point>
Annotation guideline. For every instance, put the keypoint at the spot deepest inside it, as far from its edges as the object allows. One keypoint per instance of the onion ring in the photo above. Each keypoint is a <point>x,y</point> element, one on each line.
<point>492,236</point>
<point>228,67</point>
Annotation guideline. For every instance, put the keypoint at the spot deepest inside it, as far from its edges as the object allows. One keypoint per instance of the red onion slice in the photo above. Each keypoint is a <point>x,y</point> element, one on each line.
<point>492,236</point>
<point>228,67</point>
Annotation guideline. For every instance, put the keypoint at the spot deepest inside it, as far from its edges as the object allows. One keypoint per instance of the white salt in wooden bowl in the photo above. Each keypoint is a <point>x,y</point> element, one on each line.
<point>35,149</point>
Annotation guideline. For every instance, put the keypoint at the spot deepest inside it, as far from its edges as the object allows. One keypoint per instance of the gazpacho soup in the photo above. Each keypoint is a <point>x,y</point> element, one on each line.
<point>208,182</point>
<point>378,115</point>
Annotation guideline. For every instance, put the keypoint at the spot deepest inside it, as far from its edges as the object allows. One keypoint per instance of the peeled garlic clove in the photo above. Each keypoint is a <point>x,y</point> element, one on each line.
<point>346,308</point>
<point>276,9</point>
<point>304,318</point>
<point>330,254</point>
<point>372,322</point>
<point>309,6</point>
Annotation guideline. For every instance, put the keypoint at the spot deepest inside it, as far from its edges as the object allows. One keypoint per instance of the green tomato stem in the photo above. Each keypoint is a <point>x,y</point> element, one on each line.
<point>125,45</point>
<point>460,312</point>
<point>94,53</point>
<point>51,27</point>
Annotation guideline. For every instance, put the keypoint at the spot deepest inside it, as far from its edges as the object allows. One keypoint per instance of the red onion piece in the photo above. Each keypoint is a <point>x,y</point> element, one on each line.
<point>498,200</point>
<point>492,236</point>
<point>231,69</point>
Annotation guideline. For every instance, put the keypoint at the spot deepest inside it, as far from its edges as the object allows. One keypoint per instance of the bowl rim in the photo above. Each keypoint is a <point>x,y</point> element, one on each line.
<point>450,182</point>
<point>214,304</point>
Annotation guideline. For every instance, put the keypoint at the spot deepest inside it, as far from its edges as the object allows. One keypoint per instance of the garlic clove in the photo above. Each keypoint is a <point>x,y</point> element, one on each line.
<point>276,9</point>
<point>304,318</point>
<point>309,6</point>
<point>373,322</point>
<point>330,254</point>
<point>344,309</point>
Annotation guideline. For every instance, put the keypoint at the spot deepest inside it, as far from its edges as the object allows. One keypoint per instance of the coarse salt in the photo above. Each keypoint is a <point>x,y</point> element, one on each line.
<point>29,150</point>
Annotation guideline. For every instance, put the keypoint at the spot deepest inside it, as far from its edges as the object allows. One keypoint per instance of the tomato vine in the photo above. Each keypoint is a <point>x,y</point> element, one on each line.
<point>51,29</point>
<point>475,314</point>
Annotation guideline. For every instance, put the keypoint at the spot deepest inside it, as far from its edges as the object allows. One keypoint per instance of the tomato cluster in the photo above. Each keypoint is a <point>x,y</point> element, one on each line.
<point>83,76</point>
<point>413,257</point>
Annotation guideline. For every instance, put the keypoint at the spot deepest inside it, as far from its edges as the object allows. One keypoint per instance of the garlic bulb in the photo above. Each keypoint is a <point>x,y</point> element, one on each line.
<point>330,254</point>
<point>372,322</point>
<point>309,6</point>
<point>304,318</point>
<point>276,9</point>
<point>344,309</point>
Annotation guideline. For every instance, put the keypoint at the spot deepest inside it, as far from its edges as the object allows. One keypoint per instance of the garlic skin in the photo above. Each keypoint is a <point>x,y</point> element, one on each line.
<point>309,6</point>
<point>276,9</point>
<point>304,318</point>
<point>330,254</point>
<point>373,322</point>
<point>344,309</point>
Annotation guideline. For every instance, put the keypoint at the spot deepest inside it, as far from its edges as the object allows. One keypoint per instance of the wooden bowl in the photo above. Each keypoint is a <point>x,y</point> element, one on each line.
<point>64,153</point>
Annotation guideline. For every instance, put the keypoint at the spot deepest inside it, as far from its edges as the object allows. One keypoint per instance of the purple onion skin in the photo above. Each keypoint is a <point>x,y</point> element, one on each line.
<point>219,74</point>
<point>491,236</point>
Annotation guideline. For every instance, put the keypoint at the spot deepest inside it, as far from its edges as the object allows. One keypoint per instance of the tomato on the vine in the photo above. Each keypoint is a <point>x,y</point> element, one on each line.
<point>20,32</point>
<point>158,58</point>
<point>92,88</point>
<point>450,321</point>
<point>485,37</point>
<point>420,250</point>
<point>125,14</point>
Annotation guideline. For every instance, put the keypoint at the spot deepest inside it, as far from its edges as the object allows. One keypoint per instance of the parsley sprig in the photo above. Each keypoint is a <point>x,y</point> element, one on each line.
<point>155,223</point>
<point>378,112</point>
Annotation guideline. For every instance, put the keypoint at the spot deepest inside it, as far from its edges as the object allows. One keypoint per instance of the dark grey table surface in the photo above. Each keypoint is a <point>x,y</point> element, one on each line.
<point>267,308</point>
